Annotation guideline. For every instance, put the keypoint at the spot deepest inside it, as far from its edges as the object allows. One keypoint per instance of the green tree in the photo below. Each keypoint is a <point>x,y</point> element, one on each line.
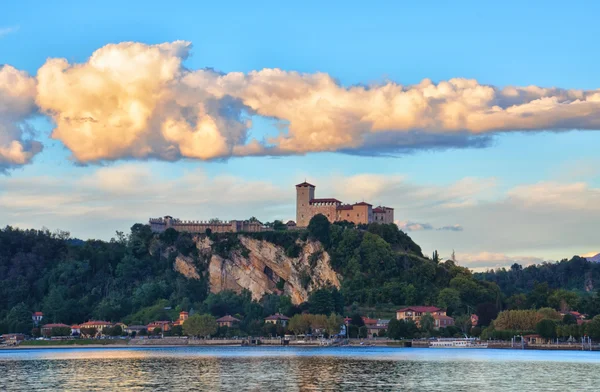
<point>449,299</point>
<point>334,324</point>
<point>427,323</point>
<point>546,328</point>
<point>200,325</point>
<point>318,228</point>
<point>300,323</point>
<point>569,319</point>
<point>60,331</point>
<point>117,330</point>
<point>18,319</point>
<point>463,322</point>
<point>593,328</point>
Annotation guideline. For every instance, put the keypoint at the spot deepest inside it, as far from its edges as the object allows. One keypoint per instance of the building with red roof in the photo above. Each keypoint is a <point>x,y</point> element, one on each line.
<point>227,321</point>
<point>307,206</point>
<point>182,317</point>
<point>415,313</point>
<point>47,328</point>
<point>277,319</point>
<point>37,317</point>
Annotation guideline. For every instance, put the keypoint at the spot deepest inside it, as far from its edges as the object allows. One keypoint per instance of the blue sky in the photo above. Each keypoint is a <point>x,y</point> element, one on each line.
<point>547,44</point>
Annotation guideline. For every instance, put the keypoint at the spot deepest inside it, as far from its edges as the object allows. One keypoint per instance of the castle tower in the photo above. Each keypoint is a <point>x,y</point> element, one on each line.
<point>305,192</point>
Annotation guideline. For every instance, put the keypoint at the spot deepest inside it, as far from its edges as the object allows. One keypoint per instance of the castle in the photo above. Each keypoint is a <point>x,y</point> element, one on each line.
<point>308,206</point>
<point>158,225</point>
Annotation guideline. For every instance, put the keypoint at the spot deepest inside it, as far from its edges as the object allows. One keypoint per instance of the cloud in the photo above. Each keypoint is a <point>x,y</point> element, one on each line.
<point>17,103</point>
<point>414,226</point>
<point>8,30</point>
<point>132,100</point>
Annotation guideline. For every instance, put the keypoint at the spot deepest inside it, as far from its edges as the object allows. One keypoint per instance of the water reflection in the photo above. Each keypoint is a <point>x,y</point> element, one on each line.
<point>289,369</point>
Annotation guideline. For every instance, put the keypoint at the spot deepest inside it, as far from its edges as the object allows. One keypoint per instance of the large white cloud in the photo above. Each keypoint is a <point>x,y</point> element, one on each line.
<point>17,103</point>
<point>132,100</point>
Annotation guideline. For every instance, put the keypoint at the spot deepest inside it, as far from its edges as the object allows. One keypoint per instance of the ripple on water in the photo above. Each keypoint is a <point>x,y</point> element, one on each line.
<point>297,369</point>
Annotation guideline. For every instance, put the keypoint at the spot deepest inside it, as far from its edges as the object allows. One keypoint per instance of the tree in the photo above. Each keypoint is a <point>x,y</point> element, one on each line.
<point>300,323</point>
<point>318,322</point>
<point>318,228</point>
<point>427,322</point>
<point>449,299</point>
<point>563,300</point>
<point>19,319</point>
<point>334,324</point>
<point>569,319</point>
<point>177,330</point>
<point>546,328</point>
<point>157,331</point>
<point>593,328</point>
<point>200,325</point>
<point>486,312</point>
<point>435,257</point>
<point>397,329</point>
<point>60,331</point>
<point>117,330</point>
<point>463,322</point>
<point>89,332</point>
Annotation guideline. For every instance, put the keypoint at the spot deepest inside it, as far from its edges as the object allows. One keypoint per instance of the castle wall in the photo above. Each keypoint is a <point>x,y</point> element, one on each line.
<point>329,210</point>
<point>199,227</point>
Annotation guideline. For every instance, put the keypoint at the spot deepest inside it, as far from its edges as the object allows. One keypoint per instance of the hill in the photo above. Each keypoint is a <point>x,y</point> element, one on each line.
<point>143,276</point>
<point>595,259</point>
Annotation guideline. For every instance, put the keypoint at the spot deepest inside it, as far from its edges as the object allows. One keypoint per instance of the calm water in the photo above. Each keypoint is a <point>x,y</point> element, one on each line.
<point>297,369</point>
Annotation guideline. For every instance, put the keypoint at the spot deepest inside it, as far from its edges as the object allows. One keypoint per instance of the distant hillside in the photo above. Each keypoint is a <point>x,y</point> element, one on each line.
<point>595,259</point>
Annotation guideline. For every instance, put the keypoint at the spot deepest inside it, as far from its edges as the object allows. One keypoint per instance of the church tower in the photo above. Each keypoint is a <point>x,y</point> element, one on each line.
<point>305,192</point>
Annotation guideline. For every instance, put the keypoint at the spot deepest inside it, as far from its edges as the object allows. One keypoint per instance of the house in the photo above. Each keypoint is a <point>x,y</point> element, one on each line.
<point>182,317</point>
<point>47,329</point>
<point>442,321</point>
<point>135,328</point>
<point>12,339</point>
<point>37,317</point>
<point>534,339</point>
<point>277,318</point>
<point>227,321</point>
<point>94,324</point>
<point>474,320</point>
<point>415,313</point>
<point>163,325</point>
<point>75,330</point>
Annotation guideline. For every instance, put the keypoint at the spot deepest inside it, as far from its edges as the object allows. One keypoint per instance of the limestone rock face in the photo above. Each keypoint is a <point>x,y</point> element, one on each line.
<point>265,264</point>
<point>185,266</point>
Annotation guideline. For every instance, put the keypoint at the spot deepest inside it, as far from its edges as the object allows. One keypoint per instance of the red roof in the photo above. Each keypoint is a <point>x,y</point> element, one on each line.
<point>306,184</point>
<point>38,313</point>
<point>277,317</point>
<point>55,326</point>
<point>442,317</point>
<point>422,309</point>
<point>226,319</point>
<point>74,326</point>
<point>344,207</point>
<point>362,203</point>
<point>367,320</point>
<point>183,313</point>
<point>327,200</point>
<point>378,209</point>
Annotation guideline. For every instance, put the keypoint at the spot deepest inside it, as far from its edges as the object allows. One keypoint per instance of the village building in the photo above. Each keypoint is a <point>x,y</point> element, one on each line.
<point>12,339</point>
<point>474,320</point>
<point>415,313</point>
<point>37,317</point>
<point>163,325</point>
<point>182,317</point>
<point>135,328</point>
<point>278,319</point>
<point>94,324</point>
<point>227,321</point>
<point>307,206</point>
<point>75,330</point>
<point>442,321</point>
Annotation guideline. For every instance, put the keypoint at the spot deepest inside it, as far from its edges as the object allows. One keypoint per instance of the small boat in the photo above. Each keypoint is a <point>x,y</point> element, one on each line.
<point>457,343</point>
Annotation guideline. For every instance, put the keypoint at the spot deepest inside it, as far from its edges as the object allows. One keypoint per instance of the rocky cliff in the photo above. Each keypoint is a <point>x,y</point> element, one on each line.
<point>263,268</point>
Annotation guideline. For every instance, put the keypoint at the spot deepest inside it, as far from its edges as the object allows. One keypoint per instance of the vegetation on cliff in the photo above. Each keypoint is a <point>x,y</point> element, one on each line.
<point>132,278</point>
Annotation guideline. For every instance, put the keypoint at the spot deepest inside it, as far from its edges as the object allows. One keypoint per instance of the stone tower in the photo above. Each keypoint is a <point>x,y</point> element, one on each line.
<point>305,192</point>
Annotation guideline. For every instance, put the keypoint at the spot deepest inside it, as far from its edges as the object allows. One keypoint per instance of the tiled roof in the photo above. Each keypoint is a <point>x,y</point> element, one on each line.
<point>378,210</point>
<point>74,326</point>
<point>38,313</point>
<point>227,318</point>
<point>291,223</point>
<point>277,317</point>
<point>326,200</point>
<point>306,184</point>
<point>94,322</point>
<point>344,207</point>
<point>362,203</point>
<point>369,320</point>
<point>423,309</point>
<point>441,317</point>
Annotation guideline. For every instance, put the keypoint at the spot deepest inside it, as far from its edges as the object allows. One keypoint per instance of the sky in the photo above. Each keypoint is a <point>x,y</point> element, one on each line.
<point>476,121</point>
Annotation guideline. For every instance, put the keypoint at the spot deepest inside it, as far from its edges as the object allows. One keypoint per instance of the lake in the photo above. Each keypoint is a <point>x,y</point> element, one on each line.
<point>297,369</point>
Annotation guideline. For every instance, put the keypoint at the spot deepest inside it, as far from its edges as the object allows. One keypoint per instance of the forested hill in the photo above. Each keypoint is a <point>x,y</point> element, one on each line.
<point>133,278</point>
<point>577,274</point>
